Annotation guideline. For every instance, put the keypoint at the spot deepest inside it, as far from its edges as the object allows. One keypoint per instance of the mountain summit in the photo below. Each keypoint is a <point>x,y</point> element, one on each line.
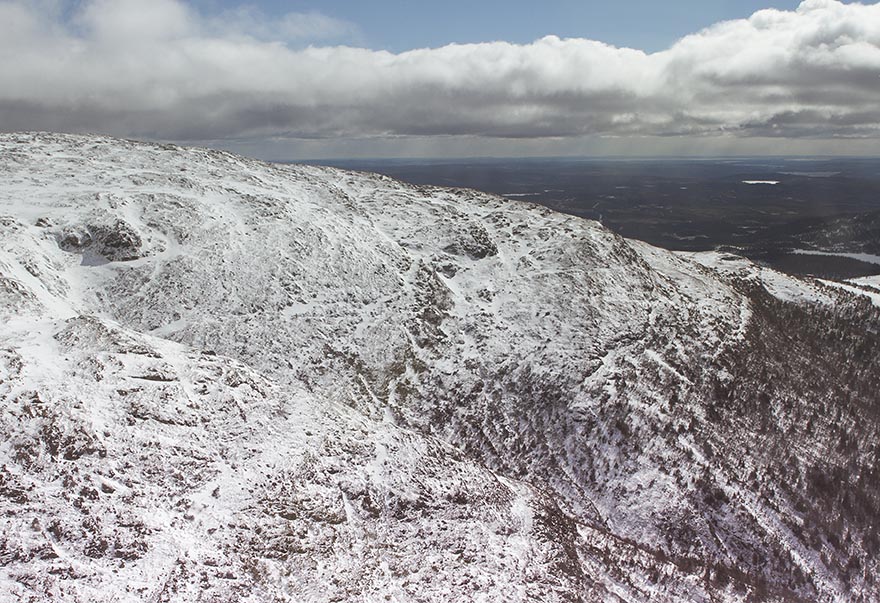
<point>226,380</point>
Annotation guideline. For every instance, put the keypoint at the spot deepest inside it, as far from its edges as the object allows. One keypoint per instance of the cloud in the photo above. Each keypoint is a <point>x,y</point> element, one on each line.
<point>159,70</point>
<point>113,24</point>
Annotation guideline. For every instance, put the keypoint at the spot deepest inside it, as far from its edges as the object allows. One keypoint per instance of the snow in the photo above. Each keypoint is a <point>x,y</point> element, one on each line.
<point>868,281</point>
<point>864,290</point>
<point>296,383</point>
<point>778,284</point>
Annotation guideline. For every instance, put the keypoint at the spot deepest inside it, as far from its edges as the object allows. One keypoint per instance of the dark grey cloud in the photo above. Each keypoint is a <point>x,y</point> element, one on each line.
<point>157,69</point>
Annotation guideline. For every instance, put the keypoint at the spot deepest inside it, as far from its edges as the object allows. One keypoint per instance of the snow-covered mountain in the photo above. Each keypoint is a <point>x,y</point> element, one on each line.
<point>225,380</point>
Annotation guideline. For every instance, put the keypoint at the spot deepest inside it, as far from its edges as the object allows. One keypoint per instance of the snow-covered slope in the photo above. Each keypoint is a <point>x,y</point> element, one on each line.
<point>239,381</point>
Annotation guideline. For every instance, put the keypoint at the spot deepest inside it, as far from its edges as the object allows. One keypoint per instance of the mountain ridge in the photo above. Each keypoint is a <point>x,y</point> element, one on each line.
<point>577,389</point>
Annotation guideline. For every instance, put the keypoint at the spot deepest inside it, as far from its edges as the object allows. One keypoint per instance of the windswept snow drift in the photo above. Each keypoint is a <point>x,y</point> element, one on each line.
<point>225,380</point>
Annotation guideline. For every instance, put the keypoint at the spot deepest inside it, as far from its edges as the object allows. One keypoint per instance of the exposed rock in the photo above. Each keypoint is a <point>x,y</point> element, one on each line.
<point>474,243</point>
<point>118,242</point>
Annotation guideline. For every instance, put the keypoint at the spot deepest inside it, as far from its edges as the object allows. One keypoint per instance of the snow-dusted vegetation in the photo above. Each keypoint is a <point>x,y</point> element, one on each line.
<point>224,380</point>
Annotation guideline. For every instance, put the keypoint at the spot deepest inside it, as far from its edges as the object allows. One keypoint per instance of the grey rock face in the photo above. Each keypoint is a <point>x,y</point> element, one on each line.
<point>116,242</point>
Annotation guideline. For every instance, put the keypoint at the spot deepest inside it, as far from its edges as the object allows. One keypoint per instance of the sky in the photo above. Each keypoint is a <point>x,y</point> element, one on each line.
<point>400,25</point>
<point>346,78</point>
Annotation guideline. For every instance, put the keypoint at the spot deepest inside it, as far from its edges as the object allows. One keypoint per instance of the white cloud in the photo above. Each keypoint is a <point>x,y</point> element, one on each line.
<point>120,23</point>
<point>157,69</point>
